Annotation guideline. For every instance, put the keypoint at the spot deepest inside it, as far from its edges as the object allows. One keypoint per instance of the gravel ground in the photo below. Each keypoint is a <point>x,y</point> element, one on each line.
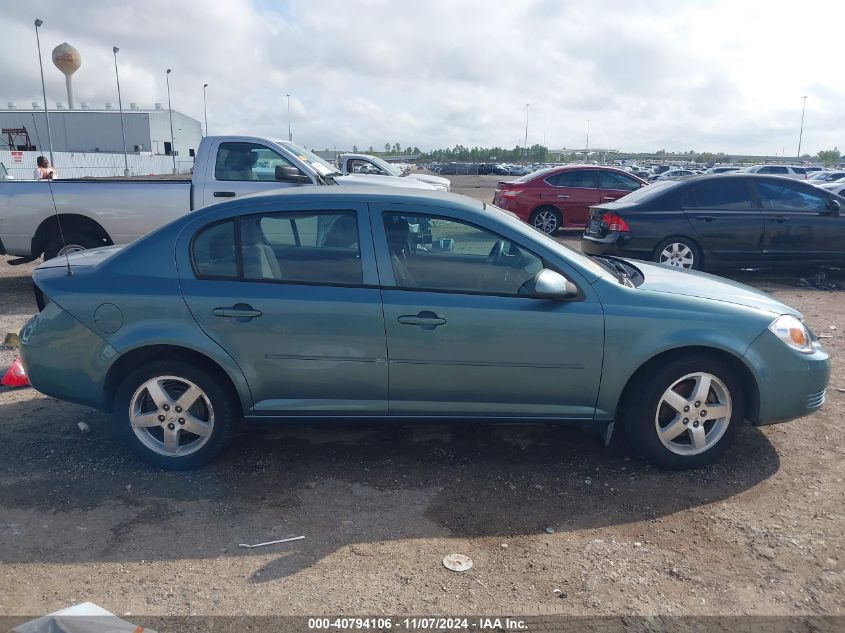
<point>553,522</point>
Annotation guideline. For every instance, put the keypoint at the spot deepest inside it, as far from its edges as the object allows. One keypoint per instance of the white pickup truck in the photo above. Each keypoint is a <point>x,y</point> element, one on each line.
<point>99,212</point>
<point>366,165</point>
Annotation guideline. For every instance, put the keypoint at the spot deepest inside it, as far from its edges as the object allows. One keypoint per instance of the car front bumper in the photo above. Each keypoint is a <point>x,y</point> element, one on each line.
<point>791,384</point>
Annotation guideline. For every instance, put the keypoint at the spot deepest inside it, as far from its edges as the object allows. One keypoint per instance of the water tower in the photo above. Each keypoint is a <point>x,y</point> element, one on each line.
<point>68,60</point>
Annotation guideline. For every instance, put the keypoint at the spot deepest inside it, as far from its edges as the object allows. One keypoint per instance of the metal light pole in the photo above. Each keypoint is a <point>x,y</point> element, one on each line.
<point>170,114</point>
<point>525,146</point>
<point>290,136</point>
<point>120,107</point>
<point>43,90</point>
<point>205,107</point>
<point>587,147</point>
<point>801,133</point>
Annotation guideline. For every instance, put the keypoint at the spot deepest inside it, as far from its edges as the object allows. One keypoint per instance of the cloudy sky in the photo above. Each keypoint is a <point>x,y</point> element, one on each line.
<point>680,75</point>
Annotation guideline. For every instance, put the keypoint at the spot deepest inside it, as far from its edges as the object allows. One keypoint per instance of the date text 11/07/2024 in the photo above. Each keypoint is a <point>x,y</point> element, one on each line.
<point>418,624</point>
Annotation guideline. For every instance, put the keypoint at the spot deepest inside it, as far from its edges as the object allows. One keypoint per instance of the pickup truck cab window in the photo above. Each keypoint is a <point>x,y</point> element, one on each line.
<point>247,161</point>
<point>444,254</point>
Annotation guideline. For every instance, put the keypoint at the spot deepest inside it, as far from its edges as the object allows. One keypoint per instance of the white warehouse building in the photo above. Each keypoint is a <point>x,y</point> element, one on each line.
<point>87,130</point>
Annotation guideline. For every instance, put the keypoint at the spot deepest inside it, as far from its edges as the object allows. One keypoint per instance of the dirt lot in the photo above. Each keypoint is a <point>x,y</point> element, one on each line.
<point>763,532</point>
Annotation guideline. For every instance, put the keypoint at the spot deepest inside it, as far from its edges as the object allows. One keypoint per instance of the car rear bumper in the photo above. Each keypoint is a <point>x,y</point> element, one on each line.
<point>791,384</point>
<point>65,359</point>
<point>617,244</point>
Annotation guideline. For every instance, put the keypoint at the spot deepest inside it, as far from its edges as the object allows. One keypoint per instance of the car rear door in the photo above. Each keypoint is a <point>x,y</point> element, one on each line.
<point>291,294</point>
<point>799,223</point>
<point>462,340</point>
<point>726,219</point>
<point>573,192</point>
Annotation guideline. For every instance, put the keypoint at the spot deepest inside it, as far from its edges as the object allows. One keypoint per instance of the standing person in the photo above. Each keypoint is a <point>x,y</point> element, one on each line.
<point>45,170</point>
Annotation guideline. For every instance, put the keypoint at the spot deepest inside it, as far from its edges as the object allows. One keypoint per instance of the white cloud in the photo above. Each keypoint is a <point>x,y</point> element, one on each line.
<point>718,76</point>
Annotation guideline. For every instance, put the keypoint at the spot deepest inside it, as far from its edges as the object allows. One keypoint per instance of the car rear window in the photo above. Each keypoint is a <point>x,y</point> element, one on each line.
<point>651,191</point>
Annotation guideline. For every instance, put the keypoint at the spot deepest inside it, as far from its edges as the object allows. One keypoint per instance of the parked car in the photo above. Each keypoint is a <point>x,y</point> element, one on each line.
<point>722,169</point>
<point>786,171</point>
<point>310,304</point>
<point>731,220</point>
<point>672,173</point>
<point>519,170</point>
<point>559,197</point>
<point>501,170</point>
<point>837,187</point>
<point>367,164</point>
<point>65,216</point>
<point>820,177</point>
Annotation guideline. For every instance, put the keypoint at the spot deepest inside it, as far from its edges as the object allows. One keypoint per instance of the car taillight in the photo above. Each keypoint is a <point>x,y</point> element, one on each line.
<point>511,193</point>
<point>615,223</point>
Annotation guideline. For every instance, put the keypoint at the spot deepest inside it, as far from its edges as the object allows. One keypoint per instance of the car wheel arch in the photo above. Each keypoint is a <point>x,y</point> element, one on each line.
<point>746,375</point>
<point>132,359</point>
<point>68,223</point>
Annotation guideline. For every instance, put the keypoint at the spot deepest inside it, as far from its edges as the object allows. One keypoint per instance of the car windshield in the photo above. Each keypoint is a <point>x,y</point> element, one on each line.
<point>317,164</point>
<point>383,164</point>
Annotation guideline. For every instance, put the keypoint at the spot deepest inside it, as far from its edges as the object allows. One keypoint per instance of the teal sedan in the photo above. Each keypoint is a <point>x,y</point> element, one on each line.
<point>329,303</point>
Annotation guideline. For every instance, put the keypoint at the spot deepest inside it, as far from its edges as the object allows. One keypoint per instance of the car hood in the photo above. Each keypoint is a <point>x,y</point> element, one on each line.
<point>435,180</point>
<point>91,257</point>
<point>689,283</point>
<point>382,181</point>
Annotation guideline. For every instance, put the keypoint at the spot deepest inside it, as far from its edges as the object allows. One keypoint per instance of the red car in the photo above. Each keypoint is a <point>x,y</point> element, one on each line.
<point>558,197</point>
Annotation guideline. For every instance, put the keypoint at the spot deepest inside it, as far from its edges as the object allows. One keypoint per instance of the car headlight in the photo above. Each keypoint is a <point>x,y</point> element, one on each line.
<point>793,333</point>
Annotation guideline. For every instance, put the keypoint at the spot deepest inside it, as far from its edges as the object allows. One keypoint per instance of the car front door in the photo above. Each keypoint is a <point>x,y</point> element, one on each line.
<point>725,218</point>
<point>462,339</point>
<point>573,192</point>
<point>291,294</point>
<point>242,167</point>
<point>799,223</point>
<point>614,185</point>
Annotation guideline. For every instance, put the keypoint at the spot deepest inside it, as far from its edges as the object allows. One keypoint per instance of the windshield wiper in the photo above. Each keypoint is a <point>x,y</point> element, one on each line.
<point>618,269</point>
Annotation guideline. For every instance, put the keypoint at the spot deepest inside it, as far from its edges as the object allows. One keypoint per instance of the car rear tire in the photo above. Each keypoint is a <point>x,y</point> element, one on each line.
<point>679,252</point>
<point>684,413</point>
<point>546,220</point>
<point>73,243</point>
<point>174,415</point>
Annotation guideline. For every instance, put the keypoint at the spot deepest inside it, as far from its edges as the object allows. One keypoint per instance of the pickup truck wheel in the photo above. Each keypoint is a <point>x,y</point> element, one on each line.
<point>73,243</point>
<point>174,414</point>
<point>685,413</point>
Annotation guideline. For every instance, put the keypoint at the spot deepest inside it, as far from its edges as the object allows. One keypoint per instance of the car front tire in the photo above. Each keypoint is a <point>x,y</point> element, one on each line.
<point>684,413</point>
<point>174,415</point>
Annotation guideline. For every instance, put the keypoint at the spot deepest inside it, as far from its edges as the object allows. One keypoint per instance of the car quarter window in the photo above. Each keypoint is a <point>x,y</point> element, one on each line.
<point>791,196</point>
<point>247,161</point>
<point>293,247</point>
<point>582,178</point>
<point>721,193</point>
<point>612,180</point>
<point>214,252</point>
<point>428,252</point>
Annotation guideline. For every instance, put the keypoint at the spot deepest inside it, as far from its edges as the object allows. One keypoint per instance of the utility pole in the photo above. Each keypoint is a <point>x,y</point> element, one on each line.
<point>587,146</point>
<point>44,91</point>
<point>290,136</point>
<point>170,114</point>
<point>525,150</point>
<point>205,107</point>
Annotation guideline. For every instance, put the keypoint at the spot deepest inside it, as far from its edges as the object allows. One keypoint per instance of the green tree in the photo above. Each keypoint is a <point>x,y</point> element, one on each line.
<point>354,149</point>
<point>387,147</point>
<point>829,156</point>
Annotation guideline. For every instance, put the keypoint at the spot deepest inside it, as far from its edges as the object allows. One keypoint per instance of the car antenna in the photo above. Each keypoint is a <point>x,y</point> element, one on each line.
<point>53,197</point>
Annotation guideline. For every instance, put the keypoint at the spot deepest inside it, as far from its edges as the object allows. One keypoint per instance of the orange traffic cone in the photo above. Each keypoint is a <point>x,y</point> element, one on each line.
<point>15,376</point>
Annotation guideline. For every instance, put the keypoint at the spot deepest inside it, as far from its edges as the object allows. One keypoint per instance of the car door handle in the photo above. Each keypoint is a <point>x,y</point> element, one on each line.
<point>562,196</point>
<point>608,198</point>
<point>224,194</point>
<point>240,311</point>
<point>426,320</point>
<point>706,218</point>
<point>777,218</point>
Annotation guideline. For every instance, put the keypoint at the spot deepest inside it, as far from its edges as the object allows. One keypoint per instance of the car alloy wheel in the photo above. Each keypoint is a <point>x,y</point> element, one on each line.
<point>693,414</point>
<point>677,254</point>
<point>546,220</point>
<point>171,416</point>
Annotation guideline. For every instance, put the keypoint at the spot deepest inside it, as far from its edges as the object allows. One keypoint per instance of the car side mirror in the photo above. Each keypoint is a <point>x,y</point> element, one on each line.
<point>549,284</point>
<point>291,174</point>
<point>834,207</point>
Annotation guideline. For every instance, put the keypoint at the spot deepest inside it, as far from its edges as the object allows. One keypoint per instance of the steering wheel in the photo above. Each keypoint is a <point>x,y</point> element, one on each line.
<point>494,258</point>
